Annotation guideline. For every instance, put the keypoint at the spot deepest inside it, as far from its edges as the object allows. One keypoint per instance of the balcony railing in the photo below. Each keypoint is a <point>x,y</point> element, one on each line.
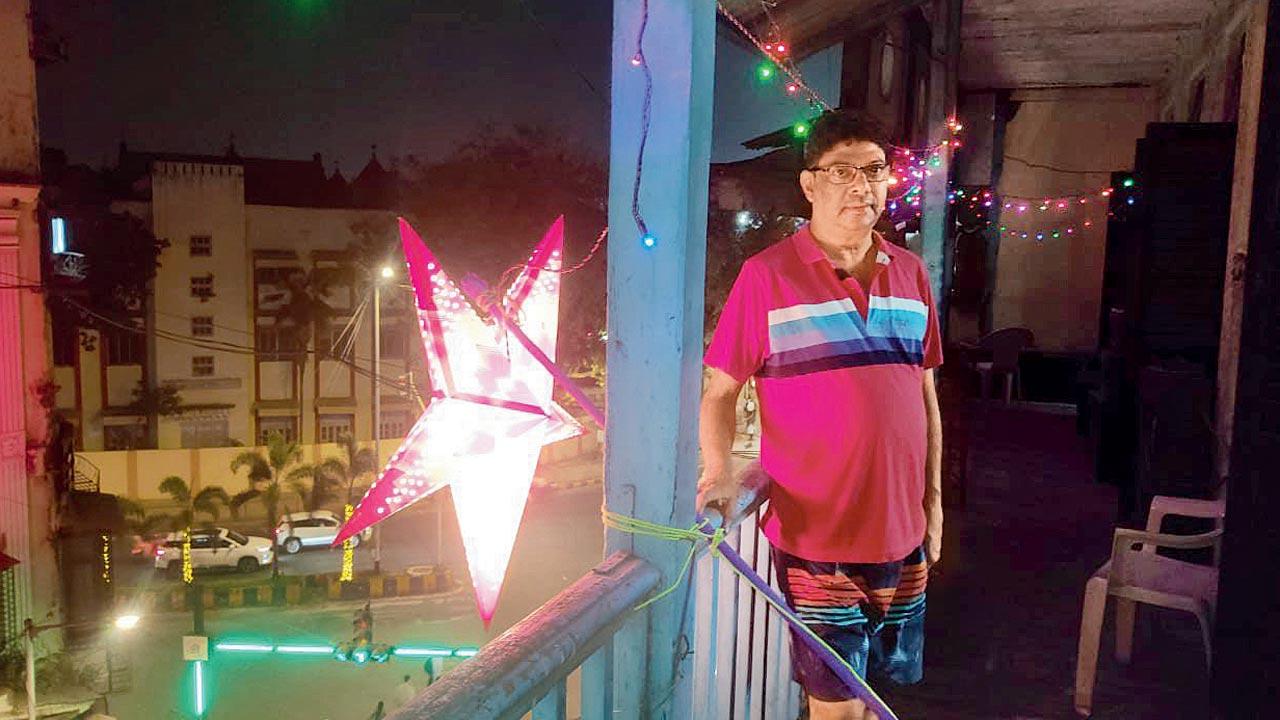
<point>525,669</point>
<point>741,655</point>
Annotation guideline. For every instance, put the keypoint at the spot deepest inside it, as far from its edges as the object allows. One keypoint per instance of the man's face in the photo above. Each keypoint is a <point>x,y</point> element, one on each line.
<point>854,206</point>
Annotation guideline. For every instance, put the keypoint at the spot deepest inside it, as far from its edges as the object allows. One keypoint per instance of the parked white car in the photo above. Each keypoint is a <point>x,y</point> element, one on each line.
<point>215,547</point>
<point>318,528</point>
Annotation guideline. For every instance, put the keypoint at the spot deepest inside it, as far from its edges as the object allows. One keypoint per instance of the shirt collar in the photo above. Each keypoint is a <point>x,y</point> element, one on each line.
<point>809,251</point>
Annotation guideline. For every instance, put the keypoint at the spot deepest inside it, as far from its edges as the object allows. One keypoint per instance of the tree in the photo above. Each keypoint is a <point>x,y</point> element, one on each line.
<point>207,500</point>
<point>303,310</point>
<point>266,473</point>
<point>484,207</point>
<point>120,252</point>
<point>355,463</point>
<point>164,400</point>
<point>729,244</point>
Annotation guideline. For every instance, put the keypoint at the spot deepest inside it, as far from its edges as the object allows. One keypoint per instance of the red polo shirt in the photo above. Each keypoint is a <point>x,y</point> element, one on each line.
<point>839,374</point>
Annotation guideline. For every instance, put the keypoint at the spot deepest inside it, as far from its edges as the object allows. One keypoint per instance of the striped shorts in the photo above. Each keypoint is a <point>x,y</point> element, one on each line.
<point>871,613</point>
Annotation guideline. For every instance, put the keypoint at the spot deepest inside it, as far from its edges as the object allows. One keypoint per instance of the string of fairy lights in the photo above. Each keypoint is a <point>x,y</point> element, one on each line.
<point>1021,216</point>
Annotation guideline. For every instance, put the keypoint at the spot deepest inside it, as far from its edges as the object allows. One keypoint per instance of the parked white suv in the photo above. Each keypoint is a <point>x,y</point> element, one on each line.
<point>318,528</point>
<point>215,547</point>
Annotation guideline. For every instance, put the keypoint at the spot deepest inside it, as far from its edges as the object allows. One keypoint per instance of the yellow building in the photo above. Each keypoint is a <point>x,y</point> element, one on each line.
<point>29,589</point>
<point>242,233</point>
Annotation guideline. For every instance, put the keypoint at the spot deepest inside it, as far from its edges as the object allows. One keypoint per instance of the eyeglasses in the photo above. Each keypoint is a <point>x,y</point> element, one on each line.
<point>842,174</point>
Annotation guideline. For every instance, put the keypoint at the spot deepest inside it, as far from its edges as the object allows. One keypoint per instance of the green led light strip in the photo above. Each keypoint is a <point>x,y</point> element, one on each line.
<point>305,649</point>
<point>311,649</point>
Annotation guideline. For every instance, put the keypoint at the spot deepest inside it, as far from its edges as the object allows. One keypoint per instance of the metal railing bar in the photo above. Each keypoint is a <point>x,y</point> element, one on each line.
<point>597,683</point>
<point>516,669</point>
<point>552,705</point>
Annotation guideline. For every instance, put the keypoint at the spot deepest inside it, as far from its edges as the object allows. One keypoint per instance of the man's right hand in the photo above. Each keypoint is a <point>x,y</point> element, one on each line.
<point>719,489</point>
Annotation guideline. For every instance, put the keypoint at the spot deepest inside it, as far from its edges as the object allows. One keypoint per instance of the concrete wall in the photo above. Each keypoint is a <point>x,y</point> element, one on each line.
<point>19,154</point>
<point>27,509</point>
<point>1054,286</point>
<point>207,199</point>
<point>329,387</point>
<point>189,199</point>
<point>137,474</point>
<point>1221,65</point>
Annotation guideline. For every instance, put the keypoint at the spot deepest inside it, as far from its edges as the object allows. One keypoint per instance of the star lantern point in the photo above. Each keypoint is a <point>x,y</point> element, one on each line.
<point>490,414</point>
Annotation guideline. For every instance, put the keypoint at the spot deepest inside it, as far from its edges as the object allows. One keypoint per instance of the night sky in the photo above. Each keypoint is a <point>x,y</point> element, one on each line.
<point>295,77</point>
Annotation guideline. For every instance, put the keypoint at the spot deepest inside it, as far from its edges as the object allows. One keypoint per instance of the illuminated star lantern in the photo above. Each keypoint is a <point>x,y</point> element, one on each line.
<point>490,412</point>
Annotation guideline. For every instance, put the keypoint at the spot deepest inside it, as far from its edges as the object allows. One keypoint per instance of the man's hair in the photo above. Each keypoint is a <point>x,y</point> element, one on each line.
<point>836,127</point>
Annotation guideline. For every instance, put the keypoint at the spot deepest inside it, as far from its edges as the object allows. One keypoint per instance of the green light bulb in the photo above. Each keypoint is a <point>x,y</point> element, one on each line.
<point>800,129</point>
<point>1128,182</point>
<point>764,71</point>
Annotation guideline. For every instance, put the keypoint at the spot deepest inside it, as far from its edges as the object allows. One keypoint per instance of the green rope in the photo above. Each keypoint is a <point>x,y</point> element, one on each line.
<point>695,535</point>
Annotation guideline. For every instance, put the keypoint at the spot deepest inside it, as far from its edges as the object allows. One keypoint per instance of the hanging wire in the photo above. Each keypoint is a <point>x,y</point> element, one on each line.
<point>646,113</point>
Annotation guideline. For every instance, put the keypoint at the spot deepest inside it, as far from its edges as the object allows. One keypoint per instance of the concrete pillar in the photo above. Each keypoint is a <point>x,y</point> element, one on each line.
<point>655,323</point>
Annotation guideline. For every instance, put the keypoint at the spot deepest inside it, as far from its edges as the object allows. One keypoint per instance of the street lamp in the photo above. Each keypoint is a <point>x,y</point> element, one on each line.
<point>385,273</point>
<point>30,630</point>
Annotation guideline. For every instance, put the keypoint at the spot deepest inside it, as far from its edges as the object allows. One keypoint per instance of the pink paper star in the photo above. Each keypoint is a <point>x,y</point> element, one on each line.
<point>490,412</point>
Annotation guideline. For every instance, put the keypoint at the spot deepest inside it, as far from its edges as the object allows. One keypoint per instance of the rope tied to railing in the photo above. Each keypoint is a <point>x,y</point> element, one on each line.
<point>703,531</point>
<point>692,535</point>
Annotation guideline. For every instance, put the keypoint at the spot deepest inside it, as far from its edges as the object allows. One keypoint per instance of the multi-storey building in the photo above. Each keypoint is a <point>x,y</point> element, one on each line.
<point>254,245</point>
<point>29,588</point>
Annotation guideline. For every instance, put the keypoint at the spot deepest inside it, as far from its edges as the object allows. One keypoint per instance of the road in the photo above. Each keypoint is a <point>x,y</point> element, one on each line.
<point>560,539</point>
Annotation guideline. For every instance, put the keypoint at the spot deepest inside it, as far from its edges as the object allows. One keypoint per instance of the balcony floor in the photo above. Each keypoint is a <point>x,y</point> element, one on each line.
<point>1004,608</point>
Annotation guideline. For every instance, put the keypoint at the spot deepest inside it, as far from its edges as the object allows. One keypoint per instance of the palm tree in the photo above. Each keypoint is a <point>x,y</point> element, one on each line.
<point>303,311</point>
<point>355,463</point>
<point>266,472</point>
<point>207,500</point>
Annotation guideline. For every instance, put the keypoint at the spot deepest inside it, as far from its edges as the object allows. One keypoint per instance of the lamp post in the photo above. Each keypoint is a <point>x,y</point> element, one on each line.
<point>384,274</point>
<point>29,632</point>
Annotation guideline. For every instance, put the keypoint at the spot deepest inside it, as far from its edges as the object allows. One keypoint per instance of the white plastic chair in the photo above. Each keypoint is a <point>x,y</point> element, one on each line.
<point>1136,574</point>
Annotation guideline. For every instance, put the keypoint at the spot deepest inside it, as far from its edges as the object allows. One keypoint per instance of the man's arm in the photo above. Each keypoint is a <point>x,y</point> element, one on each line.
<point>932,471</point>
<point>717,423</point>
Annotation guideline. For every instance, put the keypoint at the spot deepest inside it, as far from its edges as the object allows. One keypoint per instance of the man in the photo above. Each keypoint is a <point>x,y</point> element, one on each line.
<point>839,330</point>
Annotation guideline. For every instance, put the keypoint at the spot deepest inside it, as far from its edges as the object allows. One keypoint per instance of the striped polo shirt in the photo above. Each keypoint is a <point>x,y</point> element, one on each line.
<point>839,374</point>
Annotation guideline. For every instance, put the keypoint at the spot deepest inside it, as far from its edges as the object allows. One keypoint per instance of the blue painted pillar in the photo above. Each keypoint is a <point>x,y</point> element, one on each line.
<point>655,324</point>
<point>937,250</point>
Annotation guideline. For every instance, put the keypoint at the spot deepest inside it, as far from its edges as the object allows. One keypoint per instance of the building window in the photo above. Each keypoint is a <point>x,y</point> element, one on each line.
<point>395,424</point>
<point>276,341</point>
<point>201,246</point>
<point>332,428</point>
<point>207,431</point>
<point>332,341</point>
<point>202,366</point>
<point>392,341</point>
<point>124,347</point>
<point>131,436</point>
<point>59,235</point>
<point>202,326</point>
<point>202,286</point>
<point>286,426</point>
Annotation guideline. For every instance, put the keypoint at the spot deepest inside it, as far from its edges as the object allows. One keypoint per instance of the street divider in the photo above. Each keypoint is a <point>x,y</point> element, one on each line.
<point>295,590</point>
